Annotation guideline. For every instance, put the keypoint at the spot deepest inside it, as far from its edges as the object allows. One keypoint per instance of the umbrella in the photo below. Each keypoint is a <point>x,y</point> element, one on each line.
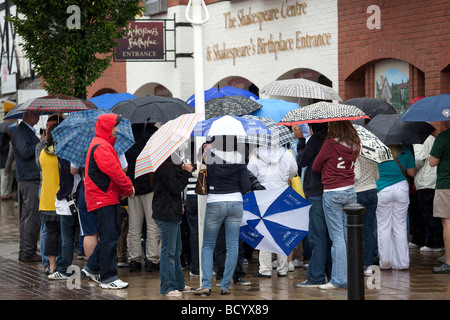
<point>301,88</point>
<point>16,113</point>
<point>435,108</point>
<point>322,112</point>
<point>221,92</point>
<point>391,130</point>
<point>274,220</point>
<point>280,135</point>
<point>371,147</point>
<point>152,109</point>
<point>371,106</point>
<point>164,142</point>
<point>108,100</point>
<point>73,135</point>
<point>274,108</point>
<point>230,105</point>
<point>57,103</point>
<point>6,126</point>
<point>229,126</point>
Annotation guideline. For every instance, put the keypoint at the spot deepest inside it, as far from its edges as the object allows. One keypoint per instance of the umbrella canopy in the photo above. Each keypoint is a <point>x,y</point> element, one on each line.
<point>301,88</point>
<point>279,136</point>
<point>371,106</point>
<point>322,112</point>
<point>274,220</point>
<point>57,103</point>
<point>229,126</point>
<point>108,100</point>
<point>73,135</point>
<point>152,109</point>
<point>164,142</point>
<point>371,147</point>
<point>391,130</point>
<point>7,126</point>
<point>17,113</point>
<point>435,108</point>
<point>275,109</point>
<point>230,105</point>
<point>221,92</point>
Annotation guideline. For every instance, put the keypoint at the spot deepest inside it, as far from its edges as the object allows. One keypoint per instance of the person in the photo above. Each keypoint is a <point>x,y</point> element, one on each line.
<point>140,208</point>
<point>24,141</point>
<point>274,168</point>
<point>392,208</point>
<point>425,183</point>
<point>319,268</point>
<point>170,181</point>
<point>105,184</point>
<point>6,177</point>
<point>336,162</point>
<point>228,179</point>
<point>440,158</point>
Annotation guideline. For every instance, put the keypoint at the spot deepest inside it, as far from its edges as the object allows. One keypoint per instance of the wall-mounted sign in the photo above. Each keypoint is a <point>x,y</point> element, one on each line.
<point>144,40</point>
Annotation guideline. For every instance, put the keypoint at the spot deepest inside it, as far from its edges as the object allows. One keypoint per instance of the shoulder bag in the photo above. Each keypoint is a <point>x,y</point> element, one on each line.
<point>201,187</point>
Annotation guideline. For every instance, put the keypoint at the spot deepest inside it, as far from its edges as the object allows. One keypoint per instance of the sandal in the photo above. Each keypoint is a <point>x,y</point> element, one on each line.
<point>188,289</point>
<point>225,291</point>
<point>173,293</point>
<point>202,291</point>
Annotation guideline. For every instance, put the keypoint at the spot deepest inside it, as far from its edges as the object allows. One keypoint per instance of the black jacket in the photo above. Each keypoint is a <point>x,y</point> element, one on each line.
<point>24,141</point>
<point>170,181</point>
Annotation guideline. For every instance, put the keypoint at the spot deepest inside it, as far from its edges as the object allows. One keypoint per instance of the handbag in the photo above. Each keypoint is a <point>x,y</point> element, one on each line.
<point>296,184</point>
<point>201,187</point>
<point>72,206</point>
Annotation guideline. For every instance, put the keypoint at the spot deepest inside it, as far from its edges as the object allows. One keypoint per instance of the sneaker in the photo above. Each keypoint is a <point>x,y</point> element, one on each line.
<point>81,256</point>
<point>442,259</point>
<point>259,275</point>
<point>193,274</point>
<point>281,274</point>
<point>328,286</point>
<point>413,246</point>
<point>308,284</point>
<point>298,263</point>
<point>242,282</point>
<point>116,284</point>
<point>274,264</point>
<point>135,266</point>
<point>218,282</point>
<point>150,266</point>
<point>442,269</point>
<point>57,276</point>
<point>428,249</point>
<point>225,291</point>
<point>92,276</point>
<point>124,264</point>
<point>291,266</point>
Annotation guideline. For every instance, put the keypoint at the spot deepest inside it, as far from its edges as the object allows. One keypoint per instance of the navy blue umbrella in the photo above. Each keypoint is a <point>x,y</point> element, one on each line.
<point>435,108</point>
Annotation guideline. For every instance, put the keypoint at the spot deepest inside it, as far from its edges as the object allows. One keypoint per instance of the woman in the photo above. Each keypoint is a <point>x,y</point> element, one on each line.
<point>170,181</point>
<point>392,208</point>
<point>336,162</point>
<point>228,179</point>
<point>49,188</point>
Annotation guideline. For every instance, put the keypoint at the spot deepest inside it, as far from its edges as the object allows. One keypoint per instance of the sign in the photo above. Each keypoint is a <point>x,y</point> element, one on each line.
<point>144,40</point>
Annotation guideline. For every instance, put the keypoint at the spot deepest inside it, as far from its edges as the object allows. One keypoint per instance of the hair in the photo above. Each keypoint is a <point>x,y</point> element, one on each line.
<point>49,134</point>
<point>56,118</point>
<point>396,150</point>
<point>343,131</point>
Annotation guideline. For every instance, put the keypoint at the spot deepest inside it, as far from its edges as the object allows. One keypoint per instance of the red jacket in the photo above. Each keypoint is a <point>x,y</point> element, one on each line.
<point>105,180</point>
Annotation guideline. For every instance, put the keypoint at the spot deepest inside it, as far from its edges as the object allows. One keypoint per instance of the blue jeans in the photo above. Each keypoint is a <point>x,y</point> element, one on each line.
<point>170,270</point>
<point>103,259</point>
<point>319,268</point>
<point>333,203</point>
<point>369,200</point>
<point>68,227</point>
<point>230,213</point>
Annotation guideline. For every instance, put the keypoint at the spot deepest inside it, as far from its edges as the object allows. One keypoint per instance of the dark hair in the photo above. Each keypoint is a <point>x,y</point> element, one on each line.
<point>55,117</point>
<point>49,134</point>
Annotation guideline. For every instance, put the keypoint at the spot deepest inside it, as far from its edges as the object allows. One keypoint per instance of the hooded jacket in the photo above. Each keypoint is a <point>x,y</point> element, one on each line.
<point>273,167</point>
<point>337,163</point>
<point>105,180</point>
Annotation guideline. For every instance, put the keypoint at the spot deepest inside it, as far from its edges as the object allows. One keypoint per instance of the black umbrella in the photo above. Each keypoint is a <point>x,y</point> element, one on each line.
<point>151,109</point>
<point>371,106</point>
<point>6,126</point>
<point>391,130</point>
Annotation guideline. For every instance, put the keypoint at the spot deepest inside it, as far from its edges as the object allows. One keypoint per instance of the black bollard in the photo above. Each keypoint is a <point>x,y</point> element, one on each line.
<point>355,262</point>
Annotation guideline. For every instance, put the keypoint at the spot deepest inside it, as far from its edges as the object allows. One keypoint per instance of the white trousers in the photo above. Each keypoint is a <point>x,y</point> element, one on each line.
<point>140,207</point>
<point>265,263</point>
<point>392,212</point>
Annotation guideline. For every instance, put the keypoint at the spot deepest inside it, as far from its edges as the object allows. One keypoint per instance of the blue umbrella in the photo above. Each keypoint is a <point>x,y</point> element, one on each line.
<point>274,220</point>
<point>108,100</point>
<point>435,108</point>
<point>220,92</point>
<point>73,136</point>
<point>229,126</point>
<point>275,109</point>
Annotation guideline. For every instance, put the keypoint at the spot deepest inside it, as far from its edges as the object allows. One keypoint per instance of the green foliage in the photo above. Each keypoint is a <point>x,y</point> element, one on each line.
<point>71,59</point>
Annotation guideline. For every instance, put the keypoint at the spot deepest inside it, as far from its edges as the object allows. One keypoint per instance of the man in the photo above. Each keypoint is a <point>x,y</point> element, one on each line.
<point>440,157</point>
<point>24,143</point>
<point>105,184</point>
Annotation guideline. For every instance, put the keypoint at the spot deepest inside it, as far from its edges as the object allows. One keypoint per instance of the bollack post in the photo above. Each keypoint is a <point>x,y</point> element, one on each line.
<point>355,262</point>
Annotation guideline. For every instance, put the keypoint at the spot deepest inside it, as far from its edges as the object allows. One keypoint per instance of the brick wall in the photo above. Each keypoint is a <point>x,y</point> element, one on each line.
<point>414,31</point>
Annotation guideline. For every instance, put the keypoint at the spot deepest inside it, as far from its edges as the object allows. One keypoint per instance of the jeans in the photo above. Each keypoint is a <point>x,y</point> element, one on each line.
<point>319,268</point>
<point>104,257</point>
<point>333,203</point>
<point>191,208</point>
<point>369,200</point>
<point>68,227</point>
<point>230,213</point>
<point>220,257</point>
<point>170,270</point>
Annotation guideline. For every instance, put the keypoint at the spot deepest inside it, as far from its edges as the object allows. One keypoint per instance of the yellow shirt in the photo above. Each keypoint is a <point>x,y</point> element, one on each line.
<point>50,180</point>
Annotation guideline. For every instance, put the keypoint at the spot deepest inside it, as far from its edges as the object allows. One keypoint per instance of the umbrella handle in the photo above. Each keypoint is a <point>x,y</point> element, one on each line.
<point>197,22</point>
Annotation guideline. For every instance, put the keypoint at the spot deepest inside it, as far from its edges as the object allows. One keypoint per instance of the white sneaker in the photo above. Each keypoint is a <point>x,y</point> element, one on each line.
<point>298,263</point>
<point>428,249</point>
<point>291,266</point>
<point>92,276</point>
<point>274,264</point>
<point>328,286</point>
<point>117,284</point>
<point>57,276</point>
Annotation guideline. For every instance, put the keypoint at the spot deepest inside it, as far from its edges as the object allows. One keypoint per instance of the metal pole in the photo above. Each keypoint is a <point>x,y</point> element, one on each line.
<point>355,265</point>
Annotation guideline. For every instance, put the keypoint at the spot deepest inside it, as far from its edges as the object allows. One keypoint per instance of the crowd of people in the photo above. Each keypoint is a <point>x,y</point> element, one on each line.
<point>118,220</point>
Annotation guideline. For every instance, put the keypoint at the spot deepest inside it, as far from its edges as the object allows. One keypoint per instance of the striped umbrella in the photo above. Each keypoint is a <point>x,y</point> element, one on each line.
<point>164,142</point>
<point>57,103</point>
<point>301,88</point>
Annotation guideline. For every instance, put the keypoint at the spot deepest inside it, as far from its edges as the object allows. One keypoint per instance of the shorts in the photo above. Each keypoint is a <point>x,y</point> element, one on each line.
<point>88,220</point>
<point>441,203</point>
